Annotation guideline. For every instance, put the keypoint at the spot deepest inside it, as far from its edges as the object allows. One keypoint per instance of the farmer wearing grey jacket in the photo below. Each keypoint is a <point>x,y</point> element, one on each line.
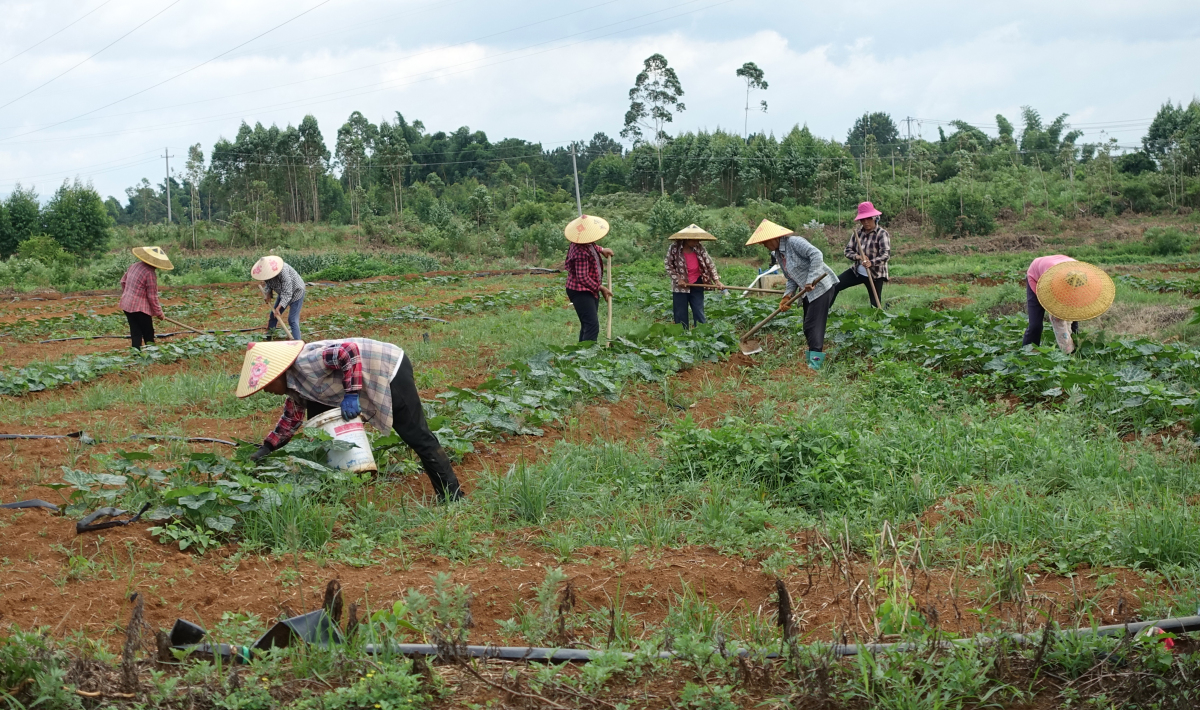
<point>802,264</point>
<point>282,281</point>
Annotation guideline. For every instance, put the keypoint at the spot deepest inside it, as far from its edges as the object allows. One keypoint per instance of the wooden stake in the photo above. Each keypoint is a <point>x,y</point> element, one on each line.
<point>610,303</point>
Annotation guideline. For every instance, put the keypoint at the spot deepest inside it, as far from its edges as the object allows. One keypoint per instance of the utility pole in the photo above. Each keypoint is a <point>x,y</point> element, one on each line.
<point>168,159</point>
<point>575,168</point>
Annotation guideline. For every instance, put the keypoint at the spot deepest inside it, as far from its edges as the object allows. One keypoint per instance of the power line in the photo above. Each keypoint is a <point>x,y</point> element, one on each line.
<point>176,76</point>
<point>55,34</point>
<point>73,67</point>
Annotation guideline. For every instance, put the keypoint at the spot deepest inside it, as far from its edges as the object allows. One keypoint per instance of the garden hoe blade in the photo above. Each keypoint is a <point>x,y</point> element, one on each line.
<point>751,347</point>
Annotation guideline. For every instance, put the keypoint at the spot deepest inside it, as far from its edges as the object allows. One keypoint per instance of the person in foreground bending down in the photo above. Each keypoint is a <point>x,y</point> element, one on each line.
<point>802,263</point>
<point>1070,291</point>
<point>360,376</point>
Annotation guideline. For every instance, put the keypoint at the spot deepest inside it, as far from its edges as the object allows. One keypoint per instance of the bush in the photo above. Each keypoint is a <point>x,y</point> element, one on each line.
<point>527,214</point>
<point>1165,241</point>
<point>961,213</point>
<point>77,218</point>
<point>45,249</point>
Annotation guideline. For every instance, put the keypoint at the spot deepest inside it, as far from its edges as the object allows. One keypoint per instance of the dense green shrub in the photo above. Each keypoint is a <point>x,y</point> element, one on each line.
<point>77,218</point>
<point>1165,241</point>
<point>959,212</point>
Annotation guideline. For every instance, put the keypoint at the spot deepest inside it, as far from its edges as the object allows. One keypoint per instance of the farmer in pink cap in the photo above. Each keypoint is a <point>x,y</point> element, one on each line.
<point>869,248</point>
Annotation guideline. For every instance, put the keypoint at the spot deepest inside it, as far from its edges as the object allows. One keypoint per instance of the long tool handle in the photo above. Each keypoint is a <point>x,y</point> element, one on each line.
<point>610,300</point>
<point>183,325</point>
<point>736,288</point>
<point>785,303</point>
<point>870,281</point>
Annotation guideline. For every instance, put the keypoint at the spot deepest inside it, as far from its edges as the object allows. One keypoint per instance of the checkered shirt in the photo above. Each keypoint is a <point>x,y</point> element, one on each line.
<point>328,369</point>
<point>876,246</point>
<point>139,290</point>
<point>287,284</point>
<point>583,268</point>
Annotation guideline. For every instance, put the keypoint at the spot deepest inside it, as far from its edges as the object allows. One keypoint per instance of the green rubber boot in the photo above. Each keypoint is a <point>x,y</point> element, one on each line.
<point>815,359</point>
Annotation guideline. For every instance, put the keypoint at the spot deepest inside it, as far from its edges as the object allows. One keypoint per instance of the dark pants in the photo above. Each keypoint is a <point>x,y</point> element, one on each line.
<point>293,316</point>
<point>408,420</point>
<point>680,303</point>
<point>851,278</point>
<point>816,314</point>
<point>586,307</point>
<point>141,328</point>
<point>1037,318</point>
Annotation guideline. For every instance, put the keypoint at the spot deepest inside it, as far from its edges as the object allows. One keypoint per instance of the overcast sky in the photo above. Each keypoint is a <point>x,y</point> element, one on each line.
<point>163,74</point>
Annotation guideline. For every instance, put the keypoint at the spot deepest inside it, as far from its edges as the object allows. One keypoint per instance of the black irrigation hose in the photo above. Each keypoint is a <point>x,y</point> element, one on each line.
<point>89,440</point>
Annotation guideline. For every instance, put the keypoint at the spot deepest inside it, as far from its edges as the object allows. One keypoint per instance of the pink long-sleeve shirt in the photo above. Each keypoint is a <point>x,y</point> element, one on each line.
<point>1040,266</point>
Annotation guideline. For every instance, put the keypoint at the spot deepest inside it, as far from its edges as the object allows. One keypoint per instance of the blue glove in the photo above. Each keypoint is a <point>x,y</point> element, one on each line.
<point>350,408</point>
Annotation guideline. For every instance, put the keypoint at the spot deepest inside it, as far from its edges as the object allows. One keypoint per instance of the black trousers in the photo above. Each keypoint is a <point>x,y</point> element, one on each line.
<point>851,278</point>
<point>141,328</point>
<point>680,303</point>
<point>1037,319</point>
<point>587,306</point>
<point>408,420</point>
<point>816,315</point>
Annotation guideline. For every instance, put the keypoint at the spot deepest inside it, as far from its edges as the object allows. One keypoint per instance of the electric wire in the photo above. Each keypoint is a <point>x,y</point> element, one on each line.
<point>89,58</point>
<point>51,36</point>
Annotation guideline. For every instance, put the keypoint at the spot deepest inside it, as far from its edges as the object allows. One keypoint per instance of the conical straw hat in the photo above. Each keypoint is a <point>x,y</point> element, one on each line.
<point>264,362</point>
<point>693,232</point>
<point>265,268</point>
<point>586,229</point>
<point>1075,290</point>
<point>768,230</point>
<point>153,256</point>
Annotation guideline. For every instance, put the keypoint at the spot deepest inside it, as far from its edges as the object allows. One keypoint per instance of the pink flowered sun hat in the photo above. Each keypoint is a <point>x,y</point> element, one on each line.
<point>866,209</point>
<point>265,268</point>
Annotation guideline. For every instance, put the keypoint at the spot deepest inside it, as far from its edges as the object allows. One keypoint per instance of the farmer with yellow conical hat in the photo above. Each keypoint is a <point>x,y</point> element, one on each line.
<point>1070,291</point>
<point>139,293</point>
<point>585,270</point>
<point>280,279</point>
<point>360,376</point>
<point>688,262</point>
<point>802,263</point>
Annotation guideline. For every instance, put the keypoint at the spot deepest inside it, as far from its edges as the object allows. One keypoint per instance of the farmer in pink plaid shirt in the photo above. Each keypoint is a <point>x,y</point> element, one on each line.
<point>139,293</point>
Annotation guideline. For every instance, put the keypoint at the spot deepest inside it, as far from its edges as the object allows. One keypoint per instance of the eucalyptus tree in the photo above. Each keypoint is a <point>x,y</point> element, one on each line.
<point>655,94</point>
<point>393,156</point>
<point>195,173</point>
<point>754,78</point>
<point>355,140</point>
<point>315,157</point>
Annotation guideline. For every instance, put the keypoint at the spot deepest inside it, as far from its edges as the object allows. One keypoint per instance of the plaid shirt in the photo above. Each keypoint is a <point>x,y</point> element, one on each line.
<point>802,263</point>
<point>139,290</point>
<point>287,284</point>
<point>583,268</point>
<point>876,246</point>
<point>677,267</point>
<point>328,369</point>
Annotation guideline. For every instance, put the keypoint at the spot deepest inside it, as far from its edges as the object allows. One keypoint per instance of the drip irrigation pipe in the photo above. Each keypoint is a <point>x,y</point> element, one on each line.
<point>157,335</point>
<point>89,440</point>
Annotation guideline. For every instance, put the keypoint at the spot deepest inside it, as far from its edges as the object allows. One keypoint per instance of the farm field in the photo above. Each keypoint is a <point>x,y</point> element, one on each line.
<point>932,483</point>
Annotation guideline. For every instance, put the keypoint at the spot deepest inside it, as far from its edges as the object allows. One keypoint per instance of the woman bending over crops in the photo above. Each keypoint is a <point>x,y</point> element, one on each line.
<point>584,270</point>
<point>360,376</point>
<point>1070,291</point>
<point>869,248</point>
<point>803,264</point>
<point>281,280</point>
<point>687,263</point>
<point>139,293</point>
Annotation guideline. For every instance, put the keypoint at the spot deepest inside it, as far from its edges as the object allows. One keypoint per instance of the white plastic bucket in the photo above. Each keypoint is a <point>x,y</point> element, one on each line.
<point>358,459</point>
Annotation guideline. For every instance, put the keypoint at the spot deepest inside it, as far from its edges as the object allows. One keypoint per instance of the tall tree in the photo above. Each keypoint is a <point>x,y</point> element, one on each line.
<point>23,213</point>
<point>393,155</point>
<point>77,219</point>
<point>355,140</point>
<point>754,81</point>
<point>655,93</point>
<point>314,156</point>
<point>878,124</point>
<point>195,173</point>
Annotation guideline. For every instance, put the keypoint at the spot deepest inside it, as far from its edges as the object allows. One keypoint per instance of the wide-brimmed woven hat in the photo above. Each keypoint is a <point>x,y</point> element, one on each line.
<point>692,232</point>
<point>265,268</point>
<point>1075,290</point>
<point>768,230</point>
<point>264,362</point>
<point>586,229</point>
<point>153,256</point>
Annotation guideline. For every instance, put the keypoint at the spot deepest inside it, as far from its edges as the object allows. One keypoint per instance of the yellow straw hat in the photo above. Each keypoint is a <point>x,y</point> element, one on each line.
<point>768,230</point>
<point>693,232</point>
<point>586,229</point>
<point>265,268</point>
<point>153,256</point>
<point>1075,290</point>
<point>264,362</point>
